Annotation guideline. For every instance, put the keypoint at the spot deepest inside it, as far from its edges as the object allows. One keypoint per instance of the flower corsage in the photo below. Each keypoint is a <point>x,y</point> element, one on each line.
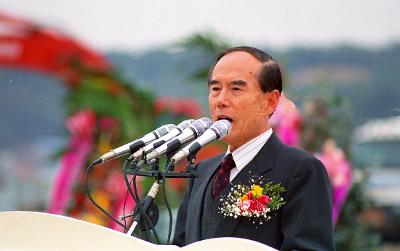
<point>256,201</point>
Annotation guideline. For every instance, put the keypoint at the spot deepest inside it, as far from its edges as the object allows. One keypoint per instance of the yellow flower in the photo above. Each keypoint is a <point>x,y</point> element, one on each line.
<point>244,197</point>
<point>256,191</point>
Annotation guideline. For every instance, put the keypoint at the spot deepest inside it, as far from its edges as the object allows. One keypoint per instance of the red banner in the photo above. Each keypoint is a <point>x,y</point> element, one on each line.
<point>24,44</point>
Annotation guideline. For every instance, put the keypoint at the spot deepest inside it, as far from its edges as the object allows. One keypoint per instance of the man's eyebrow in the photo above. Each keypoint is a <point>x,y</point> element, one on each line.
<point>232,83</point>
<point>238,82</point>
<point>213,82</point>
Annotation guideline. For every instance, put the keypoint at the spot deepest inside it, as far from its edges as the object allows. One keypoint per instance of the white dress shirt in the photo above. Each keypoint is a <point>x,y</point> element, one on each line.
<point>246,152</point>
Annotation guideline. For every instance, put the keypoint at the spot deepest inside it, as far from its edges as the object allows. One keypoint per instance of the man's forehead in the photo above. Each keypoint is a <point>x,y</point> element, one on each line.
<point>237,64</point>
<point>238,60</point>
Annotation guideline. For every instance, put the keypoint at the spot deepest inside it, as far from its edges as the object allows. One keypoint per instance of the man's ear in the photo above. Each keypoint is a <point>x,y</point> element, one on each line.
<point>273,101</point>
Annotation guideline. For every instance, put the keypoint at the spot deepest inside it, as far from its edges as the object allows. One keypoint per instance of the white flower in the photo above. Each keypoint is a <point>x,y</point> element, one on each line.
<point>245,205</point>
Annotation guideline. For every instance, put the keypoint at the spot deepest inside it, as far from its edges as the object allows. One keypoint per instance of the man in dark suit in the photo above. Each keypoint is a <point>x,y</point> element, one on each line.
<point>244,87</point>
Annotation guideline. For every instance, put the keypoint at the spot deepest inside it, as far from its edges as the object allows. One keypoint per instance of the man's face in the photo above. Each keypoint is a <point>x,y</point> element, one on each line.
<point>235,94</point>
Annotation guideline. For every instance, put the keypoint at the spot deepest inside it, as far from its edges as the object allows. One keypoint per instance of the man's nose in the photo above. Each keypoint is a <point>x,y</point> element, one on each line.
<point>223,98</point>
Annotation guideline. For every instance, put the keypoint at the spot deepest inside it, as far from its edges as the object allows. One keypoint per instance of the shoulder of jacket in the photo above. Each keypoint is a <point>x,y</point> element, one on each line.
<point>205,163</point>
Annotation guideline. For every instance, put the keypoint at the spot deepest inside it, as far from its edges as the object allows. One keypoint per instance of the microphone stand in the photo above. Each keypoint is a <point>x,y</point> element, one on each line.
<point>149,208</point>
<point>146,213</point>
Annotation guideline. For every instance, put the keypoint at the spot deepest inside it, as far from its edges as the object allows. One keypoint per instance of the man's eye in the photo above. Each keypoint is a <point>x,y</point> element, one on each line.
<point>236,89</point>
<point>215,88</point>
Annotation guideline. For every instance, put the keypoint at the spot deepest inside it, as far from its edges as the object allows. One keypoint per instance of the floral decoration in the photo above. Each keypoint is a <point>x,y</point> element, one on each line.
<point>339,173</point>
<point>286,121</point>
<point>256,201</point>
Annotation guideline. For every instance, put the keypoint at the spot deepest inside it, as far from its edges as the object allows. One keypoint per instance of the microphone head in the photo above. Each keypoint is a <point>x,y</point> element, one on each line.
<point>222,127</point>
<point>161,131</point>
<point>185,124</point>
<point>201,125</point>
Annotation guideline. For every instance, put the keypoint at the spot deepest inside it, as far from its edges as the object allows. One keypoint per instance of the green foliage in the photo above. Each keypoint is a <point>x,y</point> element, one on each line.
<point>351,234</point>
<point>210,43</point>
<point>326,115</point>
<point>274,191</point>
<point>133,109</point>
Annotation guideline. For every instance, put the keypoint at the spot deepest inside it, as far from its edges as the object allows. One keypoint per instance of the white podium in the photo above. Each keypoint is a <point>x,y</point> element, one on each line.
<point>31,231</point>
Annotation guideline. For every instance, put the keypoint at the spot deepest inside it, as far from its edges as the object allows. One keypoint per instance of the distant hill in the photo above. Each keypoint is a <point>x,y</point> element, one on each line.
<point>368,78</point>
<point>163,72</point>
<point>31,103</point>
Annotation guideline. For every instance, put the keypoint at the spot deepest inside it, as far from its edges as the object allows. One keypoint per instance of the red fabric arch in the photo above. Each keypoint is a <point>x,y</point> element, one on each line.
<point>24,44</point>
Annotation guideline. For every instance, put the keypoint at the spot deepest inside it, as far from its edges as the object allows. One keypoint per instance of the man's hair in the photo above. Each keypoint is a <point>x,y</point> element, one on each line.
<point>269,77</point>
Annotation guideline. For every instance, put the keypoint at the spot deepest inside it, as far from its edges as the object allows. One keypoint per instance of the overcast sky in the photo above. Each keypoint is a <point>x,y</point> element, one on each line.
<point>136,25</point>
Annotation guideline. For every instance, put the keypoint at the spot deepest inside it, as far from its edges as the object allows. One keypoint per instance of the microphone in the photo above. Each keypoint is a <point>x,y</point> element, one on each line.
<point>173,133</point>
<point>218,130</point>
<point>137,144</point>
<point>193,131</point>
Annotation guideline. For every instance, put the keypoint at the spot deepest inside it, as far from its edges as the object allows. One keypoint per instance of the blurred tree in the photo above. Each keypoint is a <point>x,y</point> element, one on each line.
<point>328,116</point>
<point>210,43</point>
<point>103,112</point>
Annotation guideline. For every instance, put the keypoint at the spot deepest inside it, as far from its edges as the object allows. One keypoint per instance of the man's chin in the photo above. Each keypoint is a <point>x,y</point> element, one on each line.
<point>228,139</point>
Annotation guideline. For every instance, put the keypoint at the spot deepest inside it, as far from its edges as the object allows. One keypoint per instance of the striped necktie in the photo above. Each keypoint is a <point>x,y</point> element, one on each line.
<point>221,179</point>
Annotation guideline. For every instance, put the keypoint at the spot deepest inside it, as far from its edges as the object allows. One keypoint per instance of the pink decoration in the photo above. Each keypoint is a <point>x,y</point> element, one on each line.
<point>81,127</point>
<point>286,121</point>
<point>108,123</point>
<point>129,209</point>
<point>115,185</point>
<point>339,172</point>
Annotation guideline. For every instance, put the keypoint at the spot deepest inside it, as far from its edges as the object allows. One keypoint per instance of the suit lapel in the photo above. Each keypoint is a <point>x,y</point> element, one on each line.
<point>196,207</point>
<point>262,163</point>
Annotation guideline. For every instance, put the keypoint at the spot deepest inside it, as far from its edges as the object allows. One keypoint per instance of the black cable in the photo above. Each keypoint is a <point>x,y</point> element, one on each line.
<point>168,166</point>
<point>169,213</point>
<point>146,219</point>
<point>135,196</point>
<point>135,190</point>
<point>124,209</point>
<point>92,200</point>
<point>167,169</point>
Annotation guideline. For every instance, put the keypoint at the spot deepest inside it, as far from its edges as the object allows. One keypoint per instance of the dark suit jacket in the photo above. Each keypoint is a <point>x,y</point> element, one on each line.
<point>303,223</point>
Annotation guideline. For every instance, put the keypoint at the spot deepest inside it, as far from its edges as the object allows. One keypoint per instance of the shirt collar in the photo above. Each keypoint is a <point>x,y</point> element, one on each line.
<point>246,152</point>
